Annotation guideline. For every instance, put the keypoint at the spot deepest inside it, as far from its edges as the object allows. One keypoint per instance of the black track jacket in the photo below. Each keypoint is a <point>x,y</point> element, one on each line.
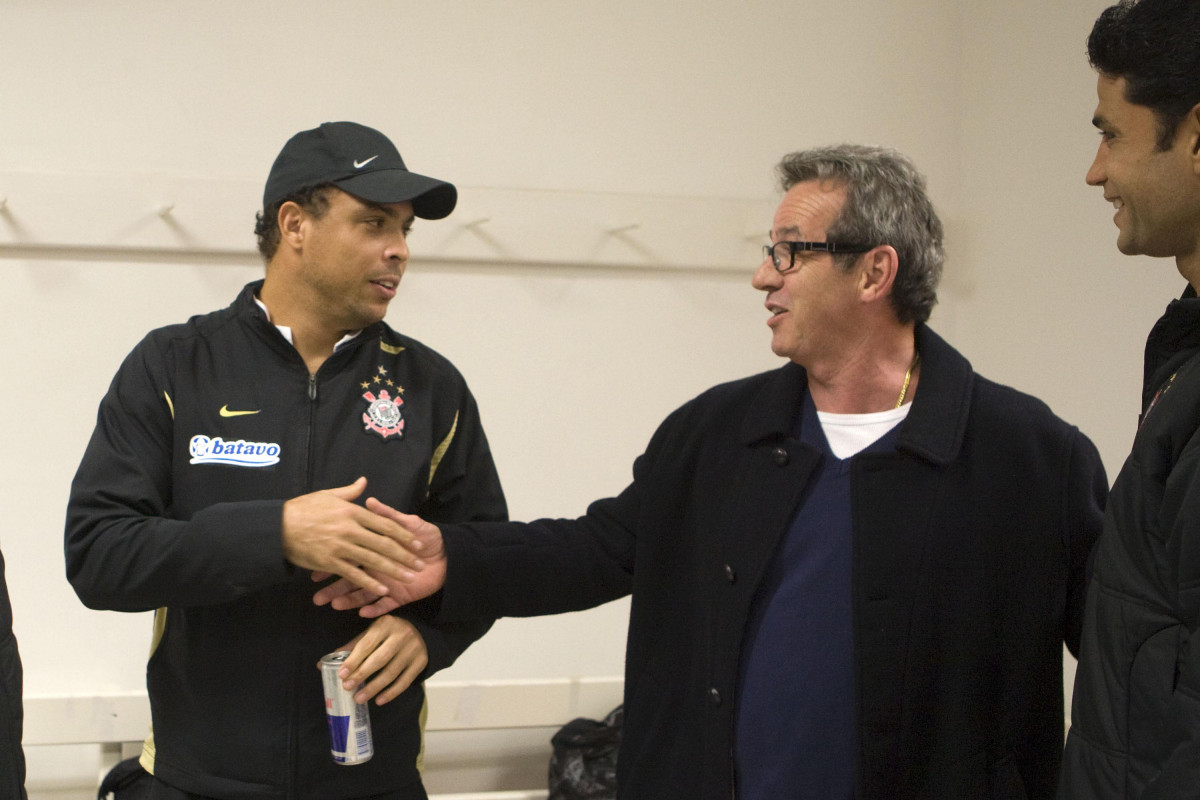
<point>206,430</point>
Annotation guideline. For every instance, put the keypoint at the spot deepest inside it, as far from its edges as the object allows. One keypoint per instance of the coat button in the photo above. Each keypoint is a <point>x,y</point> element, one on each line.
<point>780,456</point>
<point>714,697</point>
<point>730,575</point>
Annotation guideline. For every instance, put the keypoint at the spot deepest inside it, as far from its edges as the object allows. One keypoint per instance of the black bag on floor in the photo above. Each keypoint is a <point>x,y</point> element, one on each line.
<point>584,763</point>
<point>126,781</point>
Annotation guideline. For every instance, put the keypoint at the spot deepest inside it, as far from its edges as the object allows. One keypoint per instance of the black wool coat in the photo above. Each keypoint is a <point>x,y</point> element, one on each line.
<point>970,547</point>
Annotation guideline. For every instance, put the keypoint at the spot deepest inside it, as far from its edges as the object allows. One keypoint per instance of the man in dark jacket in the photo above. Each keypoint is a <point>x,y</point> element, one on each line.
<point>1135,730</point>
<point>12,758</point>
<point>226,463</point>
<point>852,576</point>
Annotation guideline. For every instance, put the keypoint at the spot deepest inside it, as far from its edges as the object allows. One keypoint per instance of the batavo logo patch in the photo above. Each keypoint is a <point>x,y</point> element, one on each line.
<point>206,450</point>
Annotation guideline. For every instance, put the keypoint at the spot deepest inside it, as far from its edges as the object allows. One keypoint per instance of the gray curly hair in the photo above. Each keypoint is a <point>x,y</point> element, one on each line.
<point>886,203</point>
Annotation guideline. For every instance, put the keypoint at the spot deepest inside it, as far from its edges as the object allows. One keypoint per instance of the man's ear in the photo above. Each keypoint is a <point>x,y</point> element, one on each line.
<point>878,273</point>
<point>1190,127</point>
<point>291,225</point>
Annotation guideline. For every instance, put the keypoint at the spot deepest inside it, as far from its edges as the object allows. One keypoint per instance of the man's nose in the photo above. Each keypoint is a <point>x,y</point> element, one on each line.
<point>766,276</point>
<point>1095,174</point>
<point>398,247</point>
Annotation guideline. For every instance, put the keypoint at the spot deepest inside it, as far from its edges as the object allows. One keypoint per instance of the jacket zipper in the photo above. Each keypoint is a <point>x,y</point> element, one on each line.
<point>312,424</point>
<point>308,487</point>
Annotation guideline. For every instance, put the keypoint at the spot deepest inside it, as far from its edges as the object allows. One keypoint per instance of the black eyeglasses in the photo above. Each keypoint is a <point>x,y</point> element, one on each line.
<point>776,251</point>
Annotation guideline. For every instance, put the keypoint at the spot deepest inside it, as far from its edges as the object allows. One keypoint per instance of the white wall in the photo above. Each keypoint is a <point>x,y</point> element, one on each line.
<point>573,365</point>
<point>1047,302</point>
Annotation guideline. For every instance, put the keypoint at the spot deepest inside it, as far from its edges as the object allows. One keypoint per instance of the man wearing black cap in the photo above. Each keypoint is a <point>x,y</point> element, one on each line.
<point>227,463</point>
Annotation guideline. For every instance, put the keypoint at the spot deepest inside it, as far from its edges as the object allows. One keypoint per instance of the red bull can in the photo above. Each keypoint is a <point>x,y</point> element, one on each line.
<point>349,722</point>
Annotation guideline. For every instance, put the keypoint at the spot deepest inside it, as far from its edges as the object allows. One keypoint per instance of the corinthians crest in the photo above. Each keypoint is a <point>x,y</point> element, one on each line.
<point>383,414</point>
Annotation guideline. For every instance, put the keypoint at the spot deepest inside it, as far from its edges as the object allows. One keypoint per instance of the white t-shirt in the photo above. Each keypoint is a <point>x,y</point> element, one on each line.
<point>849,434</point>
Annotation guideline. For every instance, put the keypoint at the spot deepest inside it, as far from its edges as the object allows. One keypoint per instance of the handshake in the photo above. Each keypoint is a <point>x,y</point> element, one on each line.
<point>384,559</point>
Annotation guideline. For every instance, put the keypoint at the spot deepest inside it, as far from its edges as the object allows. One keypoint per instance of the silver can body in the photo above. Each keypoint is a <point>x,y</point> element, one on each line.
<point>350,739</point>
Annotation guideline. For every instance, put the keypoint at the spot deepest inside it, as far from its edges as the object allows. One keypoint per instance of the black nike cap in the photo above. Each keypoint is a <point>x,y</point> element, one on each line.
<point>360,161</point>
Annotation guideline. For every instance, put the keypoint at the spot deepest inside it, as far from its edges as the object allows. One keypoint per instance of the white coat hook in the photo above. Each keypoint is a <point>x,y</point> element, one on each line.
<point>165,210</point>
<point>476,223</point>
<point>633,226</point>
<point>3,203</point>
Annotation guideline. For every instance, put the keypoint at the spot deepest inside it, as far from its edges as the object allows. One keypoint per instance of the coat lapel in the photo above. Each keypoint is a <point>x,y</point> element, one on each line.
<point>895,497</point>
<point>771,472</point>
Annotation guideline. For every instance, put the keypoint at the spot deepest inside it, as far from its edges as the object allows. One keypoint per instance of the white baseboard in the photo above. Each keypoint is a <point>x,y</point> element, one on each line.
<point>476,705</point>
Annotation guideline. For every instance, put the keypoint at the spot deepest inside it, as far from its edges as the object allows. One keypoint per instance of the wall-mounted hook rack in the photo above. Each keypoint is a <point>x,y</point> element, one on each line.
<point>620,229</point>
<point>131,212</point>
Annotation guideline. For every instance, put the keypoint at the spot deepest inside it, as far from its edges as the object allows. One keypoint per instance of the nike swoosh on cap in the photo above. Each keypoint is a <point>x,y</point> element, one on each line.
<point>225,412</point>
<point>361,164</point>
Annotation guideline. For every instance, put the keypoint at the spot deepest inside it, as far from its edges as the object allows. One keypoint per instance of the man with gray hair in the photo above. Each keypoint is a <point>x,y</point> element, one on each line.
<point>851,576</point>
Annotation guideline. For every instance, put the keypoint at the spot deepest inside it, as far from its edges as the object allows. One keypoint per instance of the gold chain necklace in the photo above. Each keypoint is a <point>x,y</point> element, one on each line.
<point>908,377</point>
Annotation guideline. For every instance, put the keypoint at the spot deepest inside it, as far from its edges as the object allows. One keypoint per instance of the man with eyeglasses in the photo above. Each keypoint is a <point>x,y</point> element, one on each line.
<point>852,576</point>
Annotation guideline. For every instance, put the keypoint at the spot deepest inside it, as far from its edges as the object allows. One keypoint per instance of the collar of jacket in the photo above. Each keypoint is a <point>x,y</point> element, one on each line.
<point>935,424</point>
<point>246,306</point>
<point>1171,341</point>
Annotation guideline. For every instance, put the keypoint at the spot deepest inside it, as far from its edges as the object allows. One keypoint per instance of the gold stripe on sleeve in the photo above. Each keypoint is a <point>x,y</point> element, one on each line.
<point>160,627</point>
<point>421,720</point>
<point>442,448</point>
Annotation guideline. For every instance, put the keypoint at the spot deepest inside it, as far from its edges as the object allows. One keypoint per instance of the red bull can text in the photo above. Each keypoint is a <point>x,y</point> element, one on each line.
<point>349,722</point>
